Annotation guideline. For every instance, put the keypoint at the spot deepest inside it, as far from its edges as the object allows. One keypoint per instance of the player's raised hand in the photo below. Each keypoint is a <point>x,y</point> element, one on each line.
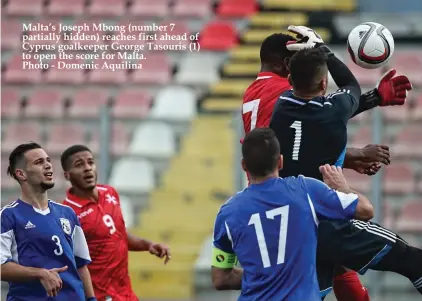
<point>306,38</point>
<point>161,251</point>
<point>333,176</point>
<point>367,168</point>
<point>393,90</point>
<point>376,153</point>
<point>51,280</point>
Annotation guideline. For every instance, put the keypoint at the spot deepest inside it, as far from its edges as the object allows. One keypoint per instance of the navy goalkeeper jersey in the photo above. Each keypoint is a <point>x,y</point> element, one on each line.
<point>272,230</point>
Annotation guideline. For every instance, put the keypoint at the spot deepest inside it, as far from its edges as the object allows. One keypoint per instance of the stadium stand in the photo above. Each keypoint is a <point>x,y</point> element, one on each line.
<point>171,139</point>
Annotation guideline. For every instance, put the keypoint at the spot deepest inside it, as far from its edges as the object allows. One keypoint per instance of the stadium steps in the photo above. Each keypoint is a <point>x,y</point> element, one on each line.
<point>182,211</point>
<point>243,65</point>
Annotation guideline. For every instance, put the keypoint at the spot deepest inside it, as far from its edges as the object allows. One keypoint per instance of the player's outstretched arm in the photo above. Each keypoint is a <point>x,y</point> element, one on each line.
<point>86,281</point>
<point>390,91</point>
<point>139,244</point>
<point>367,160</point>
<point>334,178</point>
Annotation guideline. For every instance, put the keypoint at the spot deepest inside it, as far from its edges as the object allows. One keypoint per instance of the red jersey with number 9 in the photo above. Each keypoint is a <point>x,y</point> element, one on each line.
<point>260,98</point>
<point>105,232</point>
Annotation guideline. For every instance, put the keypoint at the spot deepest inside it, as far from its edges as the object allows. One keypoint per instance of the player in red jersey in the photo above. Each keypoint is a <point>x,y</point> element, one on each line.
<point>261,96</point>
<point>100,215</point>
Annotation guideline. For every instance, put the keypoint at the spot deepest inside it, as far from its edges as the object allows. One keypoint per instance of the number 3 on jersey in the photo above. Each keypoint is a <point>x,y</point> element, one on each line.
<point>252,107</point>
<point>282,239</point>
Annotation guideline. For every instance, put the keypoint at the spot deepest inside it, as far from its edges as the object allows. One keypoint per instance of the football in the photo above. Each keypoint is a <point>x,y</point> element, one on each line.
<point>370,45</point>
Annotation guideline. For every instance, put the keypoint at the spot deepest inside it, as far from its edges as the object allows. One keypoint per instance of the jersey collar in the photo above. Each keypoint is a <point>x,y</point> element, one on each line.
<point>266,183</point>
<point>79,202</point>
<point>264,75</point>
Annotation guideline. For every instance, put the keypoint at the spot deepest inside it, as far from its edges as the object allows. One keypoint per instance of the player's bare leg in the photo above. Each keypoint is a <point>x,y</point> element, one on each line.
<point>347,286</point>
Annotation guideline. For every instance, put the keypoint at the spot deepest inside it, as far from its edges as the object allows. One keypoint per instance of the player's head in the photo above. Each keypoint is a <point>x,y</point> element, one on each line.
<point>274,54</point>
<point>30,165</point>
<point>79,167</point>
<point>309,72</point>
<point>261,154</point>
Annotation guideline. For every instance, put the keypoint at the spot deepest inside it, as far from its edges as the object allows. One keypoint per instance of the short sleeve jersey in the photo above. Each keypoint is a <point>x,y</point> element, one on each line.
<point>272,230</point>
<point>50,238</point>
<point>105,231</point>
<point>312,132</point>
<point>260,98</point>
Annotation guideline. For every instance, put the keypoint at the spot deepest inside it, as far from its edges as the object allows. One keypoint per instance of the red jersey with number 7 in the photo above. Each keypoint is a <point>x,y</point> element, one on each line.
<point>105,232</point>
<point>260,98</point>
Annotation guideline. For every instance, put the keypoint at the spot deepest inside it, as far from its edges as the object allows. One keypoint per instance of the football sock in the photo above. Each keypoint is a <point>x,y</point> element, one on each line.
<point>347,287</point>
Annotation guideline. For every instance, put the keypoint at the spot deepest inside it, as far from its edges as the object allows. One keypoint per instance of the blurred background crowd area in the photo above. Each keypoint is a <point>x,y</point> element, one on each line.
<point>167,136</point>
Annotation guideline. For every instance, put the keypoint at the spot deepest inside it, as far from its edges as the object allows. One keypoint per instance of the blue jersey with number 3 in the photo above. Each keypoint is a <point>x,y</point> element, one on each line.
<point>272,229</point>
<point>50,238</point>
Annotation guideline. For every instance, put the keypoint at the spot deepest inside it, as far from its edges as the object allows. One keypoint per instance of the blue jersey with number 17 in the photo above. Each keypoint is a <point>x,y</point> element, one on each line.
<point>272,230</point>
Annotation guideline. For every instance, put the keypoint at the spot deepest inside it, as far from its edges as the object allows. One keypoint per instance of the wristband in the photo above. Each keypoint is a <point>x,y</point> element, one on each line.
<point>324,48</point>
<point>371,99</point>
<point>91,299</point>
<point>223,260</point>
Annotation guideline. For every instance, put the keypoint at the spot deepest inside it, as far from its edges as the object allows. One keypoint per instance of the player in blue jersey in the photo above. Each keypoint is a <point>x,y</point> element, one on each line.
<point>271,226</point>
<point>44,251</point>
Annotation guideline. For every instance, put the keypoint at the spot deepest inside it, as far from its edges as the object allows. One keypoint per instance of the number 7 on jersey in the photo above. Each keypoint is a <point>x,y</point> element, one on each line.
<point>252,107</point>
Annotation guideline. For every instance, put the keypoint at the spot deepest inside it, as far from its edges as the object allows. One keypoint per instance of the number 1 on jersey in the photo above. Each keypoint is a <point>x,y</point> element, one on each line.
<point>252,107</point>
<point>282,239</point>
<point>297,126</point>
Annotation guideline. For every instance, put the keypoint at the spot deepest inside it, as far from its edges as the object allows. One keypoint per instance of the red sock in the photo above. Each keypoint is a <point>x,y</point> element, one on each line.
<point>347,287</point>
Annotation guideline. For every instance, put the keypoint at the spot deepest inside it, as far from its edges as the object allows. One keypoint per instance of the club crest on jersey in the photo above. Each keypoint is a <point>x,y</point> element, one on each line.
<point>66,226</point>
<point>111,199</point>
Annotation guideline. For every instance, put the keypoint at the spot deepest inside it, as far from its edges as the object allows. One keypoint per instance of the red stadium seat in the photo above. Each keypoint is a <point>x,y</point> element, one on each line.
<point>64,75</point>
<point>150,8</point>
<point>395,113</point>
<point>362,137</point>
<point>20,132</point>
<point>133,103</point>
<point>11,103</point>
<point>409,62</point>
<point>417,111</point>
<point>237,8</point>
<point>47,103</point>
<point>410,217</point>
<point>66,8</point>
<point>87,103</point>
<point>25,7</point>
<point>192,8</point>
<point>388,216</point>
<point>119,140</point>
<point>107,8</point>
<point>11,34</point>
<point>179,28</point>
<point>409,142</point>
<point>156,69</point>
<point>64,135</point>
<point>218,36</point>
<point>357,181</point>
<point>15,74</point>
<point>399,178</point>
<point>105,75</point>
<point>364,76</point>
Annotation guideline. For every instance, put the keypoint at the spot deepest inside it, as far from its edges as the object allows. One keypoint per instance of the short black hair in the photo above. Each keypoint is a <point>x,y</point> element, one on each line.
<point>17,157</point>
<point>306,68</point>
<point>274,50</point>
<point>261,152</point>
<point>70,151</point>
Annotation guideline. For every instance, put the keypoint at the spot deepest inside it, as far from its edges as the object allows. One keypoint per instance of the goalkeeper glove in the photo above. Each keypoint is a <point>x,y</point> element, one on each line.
<point>392,90</point>
<point>306,38</point>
